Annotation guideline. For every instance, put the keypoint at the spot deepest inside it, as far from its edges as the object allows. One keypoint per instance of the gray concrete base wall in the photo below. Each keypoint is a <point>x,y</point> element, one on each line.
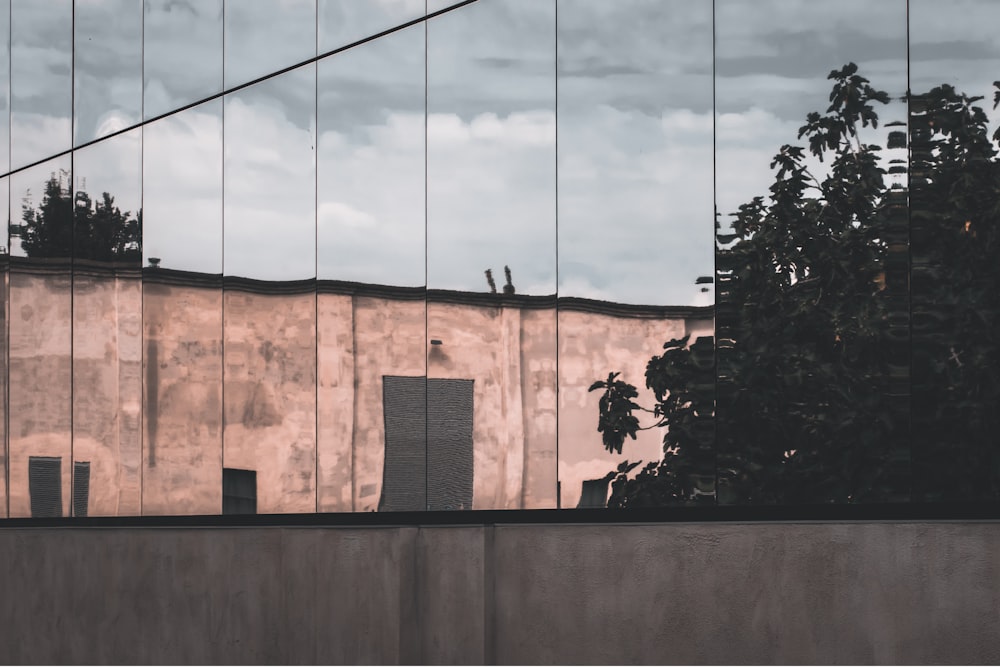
<point>619,594</point>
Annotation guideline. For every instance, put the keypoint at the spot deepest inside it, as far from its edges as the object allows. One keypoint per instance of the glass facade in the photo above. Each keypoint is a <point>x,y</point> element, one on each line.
<point>306,256</point>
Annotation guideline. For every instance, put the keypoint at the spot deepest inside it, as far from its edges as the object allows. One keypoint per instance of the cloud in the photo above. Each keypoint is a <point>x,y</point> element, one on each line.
<point>182,56</point>
<point>270,181</point>
<point>262,37</point>
<point>182,189</point>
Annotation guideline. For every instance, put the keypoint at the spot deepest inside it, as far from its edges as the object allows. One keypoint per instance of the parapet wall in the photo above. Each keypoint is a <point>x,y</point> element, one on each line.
<point>719,593</point>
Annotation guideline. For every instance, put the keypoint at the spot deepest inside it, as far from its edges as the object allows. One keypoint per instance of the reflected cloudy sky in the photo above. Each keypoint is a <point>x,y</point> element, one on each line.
<point>491,151</point>
<point>41,83</point>
<point>772,60</point>
<point>107,67</point>
<point>635,149</point>
<point>632,112</point>
<point>959,46</point>
<point>182,58</point>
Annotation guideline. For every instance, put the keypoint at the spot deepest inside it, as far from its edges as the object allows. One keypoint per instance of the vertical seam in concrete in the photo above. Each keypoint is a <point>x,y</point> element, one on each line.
<point>410,628</point>
<point>489,596</point>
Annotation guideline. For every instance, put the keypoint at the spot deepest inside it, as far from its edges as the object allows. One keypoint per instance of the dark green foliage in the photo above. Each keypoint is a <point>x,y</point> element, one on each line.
<point>808,400</point>
<point>62,227</point>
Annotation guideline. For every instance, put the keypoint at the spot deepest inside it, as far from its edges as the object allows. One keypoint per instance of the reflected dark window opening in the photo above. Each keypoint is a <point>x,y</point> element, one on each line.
<point>595,492</point>
<point>81,487</point>
<point>428,444</point>
<point>45,486</point>
<point>239,491</point>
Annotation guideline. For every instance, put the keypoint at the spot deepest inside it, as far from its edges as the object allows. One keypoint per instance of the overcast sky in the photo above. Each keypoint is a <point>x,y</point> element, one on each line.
<point>342,194</point>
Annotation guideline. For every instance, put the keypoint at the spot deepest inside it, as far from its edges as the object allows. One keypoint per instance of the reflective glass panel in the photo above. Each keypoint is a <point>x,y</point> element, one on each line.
<point>270,178</point>
<point>40,338</point>
<point>182,392</point>
<point>182,53</point>
<point>370,243</point>
<point>4,347</point>
<point>491,253</point>
<point>812,308</point>
<point>269,260</point>
<point>954,180</point>
<point>182,312</point>
<point>635,216</point>
<point>107,337</point>
<point>107,67</point>
<point>41,83</point>
<point>263,36</point>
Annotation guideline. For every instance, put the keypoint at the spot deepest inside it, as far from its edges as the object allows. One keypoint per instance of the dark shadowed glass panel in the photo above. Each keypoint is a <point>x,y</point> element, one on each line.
<point>812,302</point>
<point>40,330</point>
<point>107,67</point>
<point>41,81</point>
<point>343,22</point>
<point>954,179</point>
<point>182,53</point>
<point>107,322</point>
<point>491,232</point>
<point>263,36</point>
<point>635,220</point>
<point>370,244</point>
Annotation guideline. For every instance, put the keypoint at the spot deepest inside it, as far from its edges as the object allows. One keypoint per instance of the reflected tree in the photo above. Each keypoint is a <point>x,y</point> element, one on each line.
<point>64,225</point>
<point>798,397</point>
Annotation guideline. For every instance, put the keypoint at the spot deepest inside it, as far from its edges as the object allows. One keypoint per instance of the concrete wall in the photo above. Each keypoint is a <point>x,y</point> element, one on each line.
<point>594,594</point>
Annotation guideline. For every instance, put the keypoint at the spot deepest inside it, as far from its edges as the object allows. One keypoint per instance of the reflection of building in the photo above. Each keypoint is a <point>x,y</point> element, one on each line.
<point>307,388</point>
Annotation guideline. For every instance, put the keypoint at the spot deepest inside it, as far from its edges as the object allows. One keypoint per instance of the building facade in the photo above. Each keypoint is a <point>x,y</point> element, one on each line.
<point>295,256</point>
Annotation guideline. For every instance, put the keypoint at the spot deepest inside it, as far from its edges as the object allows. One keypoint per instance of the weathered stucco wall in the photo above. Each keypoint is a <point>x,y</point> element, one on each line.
<point>41,381</point>
<point>160,384</point>
<point>182,385</point>
<point>772,593</point>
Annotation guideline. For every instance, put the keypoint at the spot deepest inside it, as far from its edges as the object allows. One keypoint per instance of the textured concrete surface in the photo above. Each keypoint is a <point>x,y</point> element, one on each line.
<point>571,594</point>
